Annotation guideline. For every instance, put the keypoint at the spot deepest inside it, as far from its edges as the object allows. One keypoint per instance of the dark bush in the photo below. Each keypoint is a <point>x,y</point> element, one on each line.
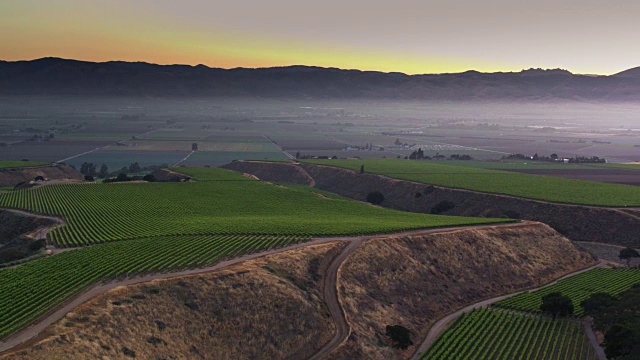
<point>442,206</point>
<point>128,352</point>
<point>12,254</point>
<point>89,178</point>
<point>557,304</point>
<point>149,178</point>
<point>375,198</point>
<point>191,305</point>
<point>418,195</point>
<point>155,341</point>
<point>37,245</point>
<point>400,336</point>
<point>512,214</point>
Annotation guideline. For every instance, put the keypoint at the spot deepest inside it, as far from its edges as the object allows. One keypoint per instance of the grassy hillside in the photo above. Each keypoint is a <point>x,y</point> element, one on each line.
<point>184,317</point>
<point>8,164</point>
<point>499,182</point>
<point>33,288</point>
<point>98,213</point>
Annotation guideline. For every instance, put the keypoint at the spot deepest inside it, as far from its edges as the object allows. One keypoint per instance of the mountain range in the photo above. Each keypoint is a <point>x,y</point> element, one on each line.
<point>62,77</point>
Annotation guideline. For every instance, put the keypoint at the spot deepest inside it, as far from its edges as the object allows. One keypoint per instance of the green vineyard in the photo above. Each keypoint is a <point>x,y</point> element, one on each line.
<point>97,213</point>
<point>498,334</point>
<point>528,186</point>
<point>33,288</point>
<point>578,288</point>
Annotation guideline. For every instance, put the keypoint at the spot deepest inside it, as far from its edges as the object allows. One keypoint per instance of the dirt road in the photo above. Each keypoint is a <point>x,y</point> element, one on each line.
<point>330,295</point>
<point>29,334</point>
<point>442,324</point>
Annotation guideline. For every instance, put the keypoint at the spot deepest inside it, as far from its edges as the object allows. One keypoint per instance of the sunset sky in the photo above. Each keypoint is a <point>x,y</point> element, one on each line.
<point>411,36</point>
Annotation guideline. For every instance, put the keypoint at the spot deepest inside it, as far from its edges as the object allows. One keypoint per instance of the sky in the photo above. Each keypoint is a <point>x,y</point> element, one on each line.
<point>410,36</point>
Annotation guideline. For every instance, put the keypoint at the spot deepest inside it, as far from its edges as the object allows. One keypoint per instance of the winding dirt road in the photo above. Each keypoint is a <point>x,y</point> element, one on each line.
<point>330,295</point>
<point>442,324</point>
<point>28,335</point>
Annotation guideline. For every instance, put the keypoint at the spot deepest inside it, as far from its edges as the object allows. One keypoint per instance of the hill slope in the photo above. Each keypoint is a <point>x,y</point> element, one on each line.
<point>239,312</point>
<point>631,73</point>
<point>53,76</point>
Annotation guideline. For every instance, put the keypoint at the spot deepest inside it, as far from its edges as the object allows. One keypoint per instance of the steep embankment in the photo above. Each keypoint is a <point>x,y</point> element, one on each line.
<point>12,177</point>
<point>276,307</point>
<point>414,281</point>
<point>269,308</point>
<point>580,223</point>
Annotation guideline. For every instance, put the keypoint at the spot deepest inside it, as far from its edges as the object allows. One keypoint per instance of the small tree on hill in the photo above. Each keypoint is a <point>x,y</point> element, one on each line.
<point>194,147</point>
<point>104,171</point>
<point>557,304</point>
<point>122,177</point>
<point>375,198</point>
<point>628,254</point>
<point>362,169</point>
<point>134,168</point>
<point>400,336</point>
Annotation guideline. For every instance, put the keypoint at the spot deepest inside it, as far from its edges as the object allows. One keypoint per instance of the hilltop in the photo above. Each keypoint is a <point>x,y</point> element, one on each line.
<point>631,73</point>
<point>54,76</point>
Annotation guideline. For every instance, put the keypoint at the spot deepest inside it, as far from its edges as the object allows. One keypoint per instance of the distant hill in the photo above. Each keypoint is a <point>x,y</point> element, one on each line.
<point>54,76</point>
<point>631,73</point>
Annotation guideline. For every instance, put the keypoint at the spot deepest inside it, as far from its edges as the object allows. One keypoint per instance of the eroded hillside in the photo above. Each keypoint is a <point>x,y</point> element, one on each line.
<point>12,177</point>
<point>273,307</point>
<point>414,281</point>
<point>268,308</point>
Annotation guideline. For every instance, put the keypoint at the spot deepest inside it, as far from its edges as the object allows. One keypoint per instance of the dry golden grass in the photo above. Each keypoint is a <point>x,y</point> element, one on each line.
<point>414,281</point>
<point>267,308</point>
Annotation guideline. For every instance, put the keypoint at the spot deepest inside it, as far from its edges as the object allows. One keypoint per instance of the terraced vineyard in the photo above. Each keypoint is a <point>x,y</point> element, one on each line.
<point>578,288</point>
<point>498,182</point>
<point>97,213</point>
<point>498,334</point>
<point>174,226</point>
<point>33,288</point>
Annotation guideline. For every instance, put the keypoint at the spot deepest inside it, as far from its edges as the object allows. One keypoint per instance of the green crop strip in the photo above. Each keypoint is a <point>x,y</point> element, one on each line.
<point>528,186</point>
<point>578,288</point>
<point>497,334</point>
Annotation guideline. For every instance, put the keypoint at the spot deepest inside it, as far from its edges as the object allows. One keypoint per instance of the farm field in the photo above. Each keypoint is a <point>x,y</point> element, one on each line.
<point>514,165</point>
<point>97,213</point>
<point>628,174</point>
<point>116,160</point>
<point>214,158</point>
<point>35,287</point>
<point>7,164</point>
<point>498,182</point>
<point>578,288</point>
<point>498,334</point>
<point>600,174</point>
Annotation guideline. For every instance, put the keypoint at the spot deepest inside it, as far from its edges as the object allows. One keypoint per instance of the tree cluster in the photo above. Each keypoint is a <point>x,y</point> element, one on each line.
<point>619,319</point>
